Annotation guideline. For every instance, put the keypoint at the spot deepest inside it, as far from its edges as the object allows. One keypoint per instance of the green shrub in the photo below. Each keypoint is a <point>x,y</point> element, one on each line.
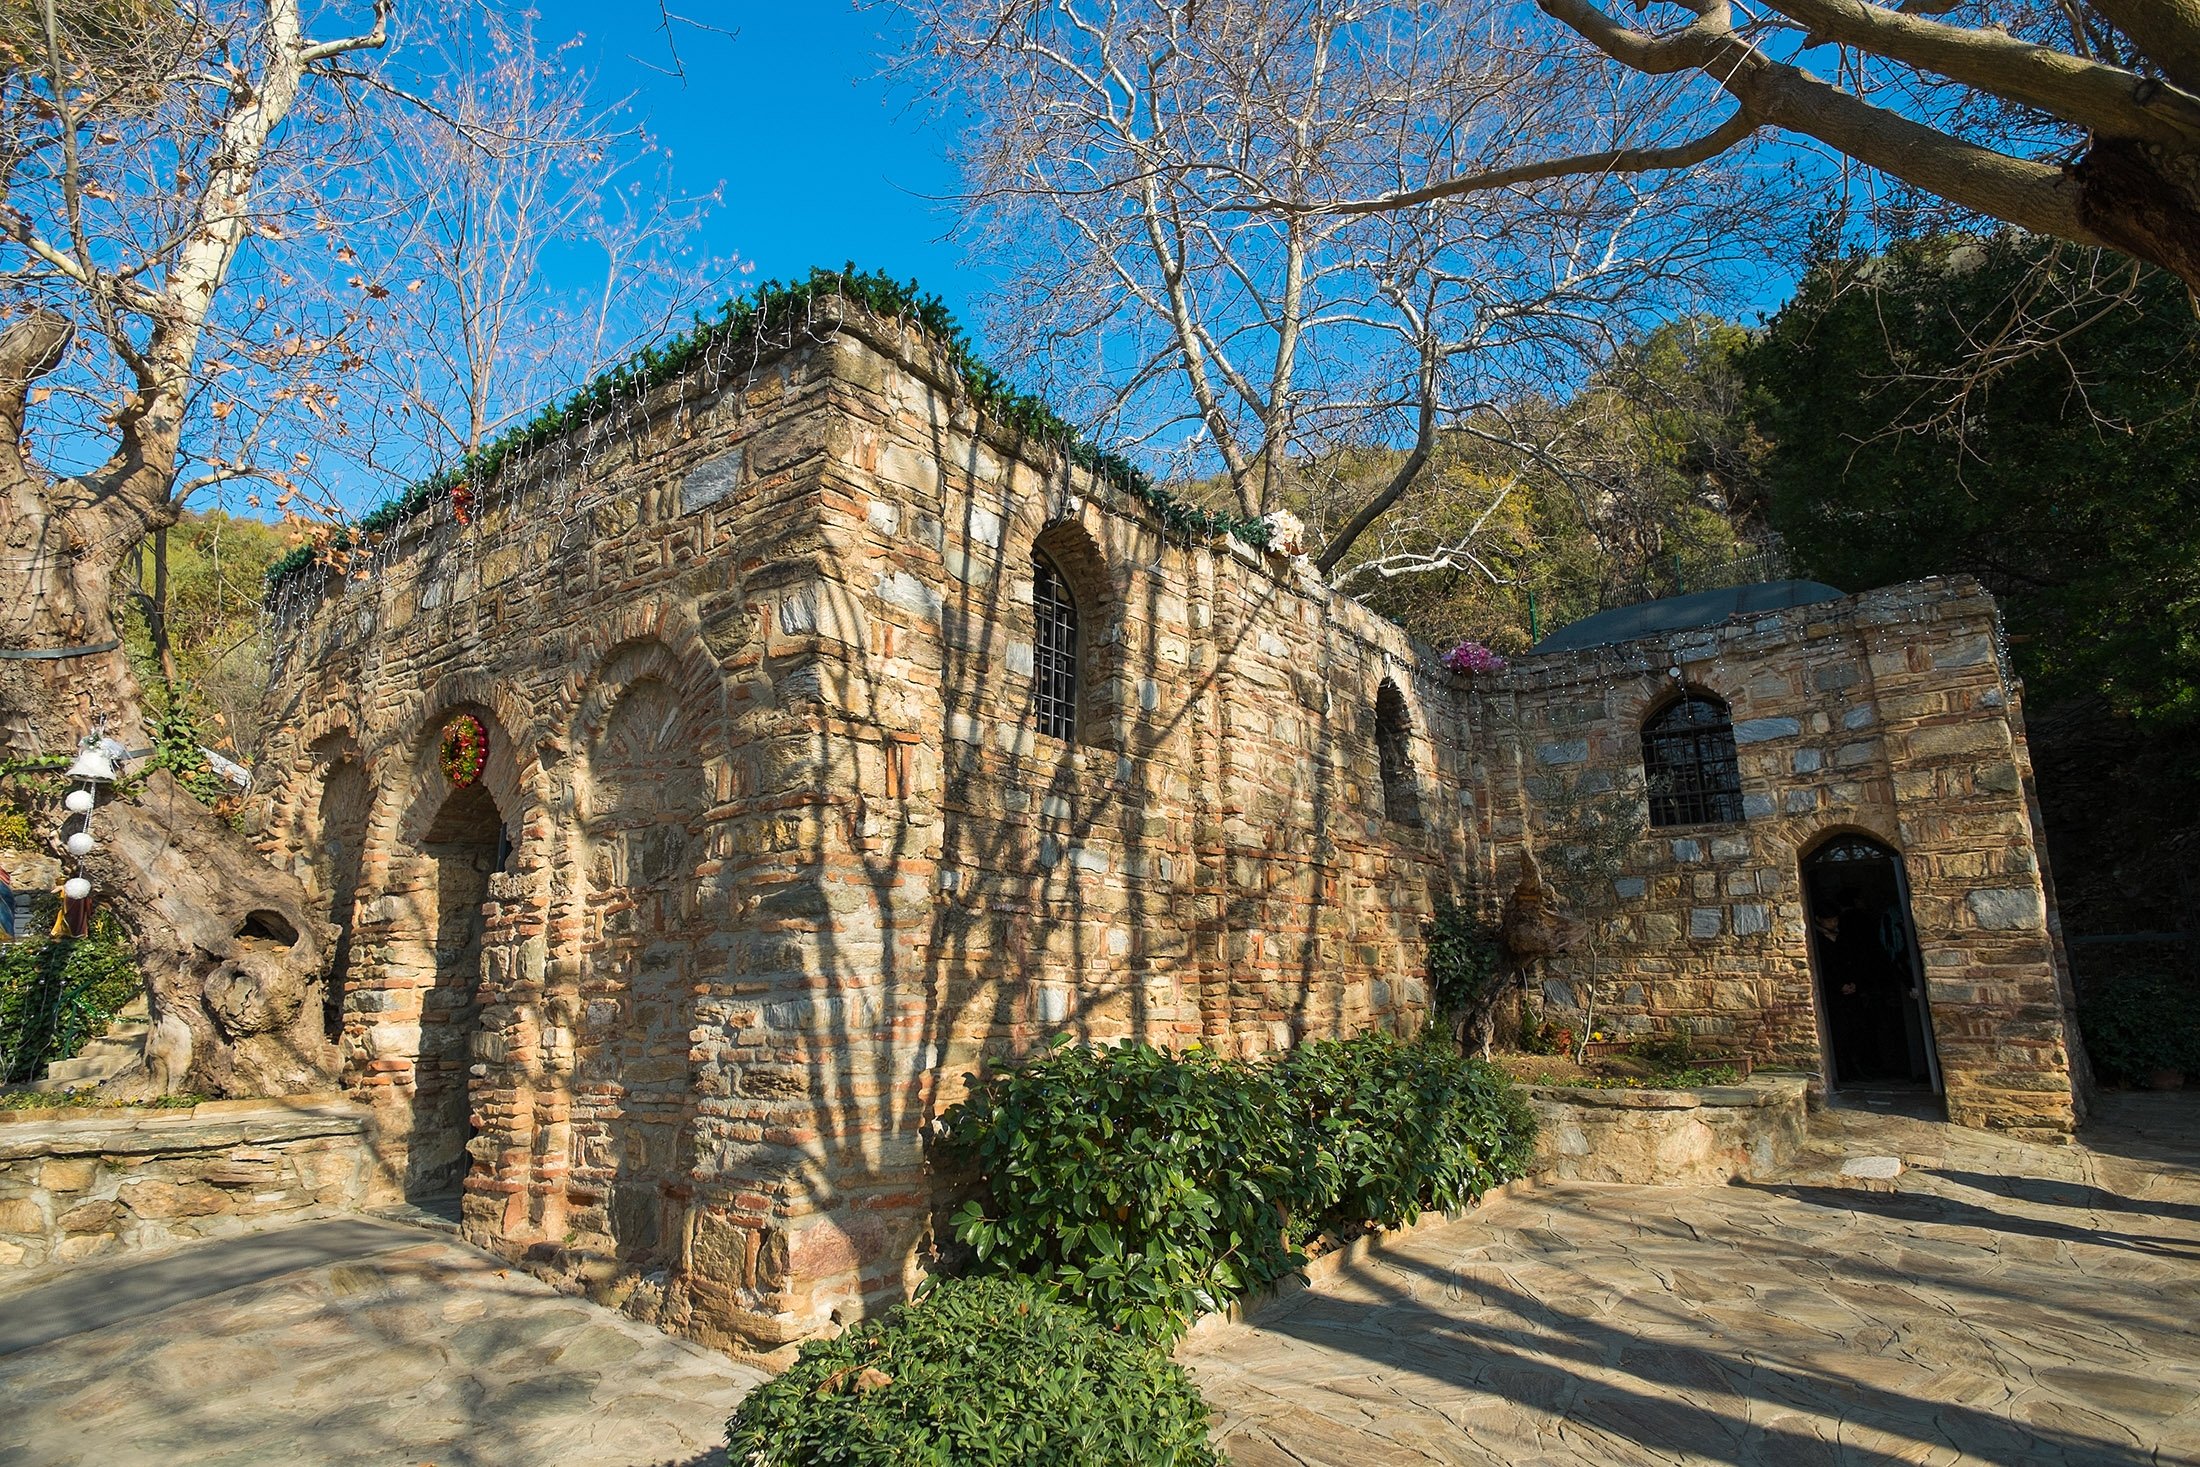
<point>1153,1187</point>
<point>57,993</point>
<point>1150,1187</point>
<point>2137,1024</point>
<point>1409,1125</point>
<point>976,1371</point>
<point>1464,959</point>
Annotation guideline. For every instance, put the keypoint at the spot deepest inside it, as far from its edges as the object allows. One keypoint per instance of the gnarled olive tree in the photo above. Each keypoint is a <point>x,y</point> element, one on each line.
<point>144,148</point>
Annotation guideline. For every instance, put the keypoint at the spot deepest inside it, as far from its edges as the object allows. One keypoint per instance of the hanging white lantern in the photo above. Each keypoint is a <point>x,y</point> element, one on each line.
<point>79,802</point>
<point>76,888</point>
<point>94,765</point>
<point>80,843</point>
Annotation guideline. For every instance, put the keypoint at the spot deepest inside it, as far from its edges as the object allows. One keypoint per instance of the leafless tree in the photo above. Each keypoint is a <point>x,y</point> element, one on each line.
<point>154,160</point>
<point>2078,119</point>
<point>1150,172</point>
<point>503,184</point>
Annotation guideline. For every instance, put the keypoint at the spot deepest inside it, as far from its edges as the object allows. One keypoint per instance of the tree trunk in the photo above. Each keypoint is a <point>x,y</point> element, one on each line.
<point>233,952</point>
<point>2145,201</point>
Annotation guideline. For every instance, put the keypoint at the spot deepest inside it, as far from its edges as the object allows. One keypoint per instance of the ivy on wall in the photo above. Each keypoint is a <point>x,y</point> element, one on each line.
<point>752,320</point>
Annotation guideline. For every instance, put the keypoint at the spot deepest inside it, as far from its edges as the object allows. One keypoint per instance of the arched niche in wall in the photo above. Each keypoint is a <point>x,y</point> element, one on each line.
<point>1394,756</point>
<point>337,845</point>
<point>641,799</point>
<point>452,836</point>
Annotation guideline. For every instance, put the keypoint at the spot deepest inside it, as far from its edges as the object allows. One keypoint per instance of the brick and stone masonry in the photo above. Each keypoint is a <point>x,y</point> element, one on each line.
<point>768,853</point>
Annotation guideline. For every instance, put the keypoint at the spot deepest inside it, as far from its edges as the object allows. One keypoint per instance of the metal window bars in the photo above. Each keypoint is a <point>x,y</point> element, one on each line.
<point>1053,652</point>
<point>1688,764</point>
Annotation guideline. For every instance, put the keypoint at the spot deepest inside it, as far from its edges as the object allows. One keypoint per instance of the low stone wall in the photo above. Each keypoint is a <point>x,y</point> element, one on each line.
<point>77,1184</point>
<point>1705,1136</point>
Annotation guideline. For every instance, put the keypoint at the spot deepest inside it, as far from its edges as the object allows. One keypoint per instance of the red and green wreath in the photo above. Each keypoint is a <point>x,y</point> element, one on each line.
<point>465,749</point>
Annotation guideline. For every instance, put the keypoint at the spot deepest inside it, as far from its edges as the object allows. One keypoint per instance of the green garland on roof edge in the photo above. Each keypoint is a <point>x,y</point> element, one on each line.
<point>737,321</point>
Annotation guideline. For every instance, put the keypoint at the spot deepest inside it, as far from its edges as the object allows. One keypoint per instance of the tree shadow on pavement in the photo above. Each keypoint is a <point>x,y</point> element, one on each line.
<point>2042,1192</point>
<point>1953,1212</point>
<point>1537,1362</point>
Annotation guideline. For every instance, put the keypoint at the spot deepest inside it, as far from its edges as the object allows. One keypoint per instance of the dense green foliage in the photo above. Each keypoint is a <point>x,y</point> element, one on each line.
<point>1409,1126</point>
<point>752,322</point>
<point>2062,468</point>
<point>58,992</point>
<point>216,569</point>
<point>1153,1187</point>
<point>976,1371</point>
<point>1646,488</point>
<point>1465,957</point>
<point>2139,1023</point>
<point>1149,1186</point>
<point>180,742</point>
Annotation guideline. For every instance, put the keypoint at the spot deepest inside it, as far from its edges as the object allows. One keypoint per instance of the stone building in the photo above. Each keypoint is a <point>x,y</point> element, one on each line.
<point>838,739</point>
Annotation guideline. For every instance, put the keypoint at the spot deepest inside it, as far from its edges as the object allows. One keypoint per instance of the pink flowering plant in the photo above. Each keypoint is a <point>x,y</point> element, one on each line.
<point>1473,657</point>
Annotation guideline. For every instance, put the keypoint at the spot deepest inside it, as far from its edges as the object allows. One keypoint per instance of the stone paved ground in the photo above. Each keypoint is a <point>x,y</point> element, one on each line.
<point>382,1346</point>
<point>2002,1303</point>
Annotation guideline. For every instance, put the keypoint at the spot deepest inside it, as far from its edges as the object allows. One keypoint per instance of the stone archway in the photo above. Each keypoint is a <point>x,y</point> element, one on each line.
<point>465,844</point>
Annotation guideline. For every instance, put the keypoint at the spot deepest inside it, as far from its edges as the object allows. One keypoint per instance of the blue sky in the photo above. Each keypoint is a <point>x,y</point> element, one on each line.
<point>821,160</point>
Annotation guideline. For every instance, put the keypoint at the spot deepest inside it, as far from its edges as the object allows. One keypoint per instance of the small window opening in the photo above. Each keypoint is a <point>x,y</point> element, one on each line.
<point>1688,763</point>
<point>1394,755</point>
<point>1053,651</point>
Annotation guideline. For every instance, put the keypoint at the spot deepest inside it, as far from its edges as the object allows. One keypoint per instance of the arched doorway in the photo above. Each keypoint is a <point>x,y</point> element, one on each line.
<point>466,844</point>
<point>1871,985</point>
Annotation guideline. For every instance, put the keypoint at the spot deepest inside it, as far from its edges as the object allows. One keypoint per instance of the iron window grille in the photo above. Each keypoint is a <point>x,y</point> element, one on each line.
<point>1688,764</point>
<point>1053,651</point>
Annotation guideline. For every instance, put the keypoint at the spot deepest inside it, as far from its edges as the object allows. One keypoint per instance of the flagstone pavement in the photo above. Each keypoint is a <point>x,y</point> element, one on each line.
<point>352,1341</point>
<point>1998,1303</point>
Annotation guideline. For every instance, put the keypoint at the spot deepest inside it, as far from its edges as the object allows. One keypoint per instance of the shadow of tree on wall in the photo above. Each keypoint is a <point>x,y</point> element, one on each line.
<point>796,853</point>
<point>1178,873</point>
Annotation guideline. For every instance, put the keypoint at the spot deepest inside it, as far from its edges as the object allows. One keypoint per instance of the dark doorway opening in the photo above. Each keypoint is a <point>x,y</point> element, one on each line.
<point>1871,985</point>
<point>465,846</point>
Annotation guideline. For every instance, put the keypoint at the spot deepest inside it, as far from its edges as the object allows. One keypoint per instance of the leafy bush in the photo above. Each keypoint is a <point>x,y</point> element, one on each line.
<point>1409,1126</point>
<point>1673,1050</point>
<point>2136,1025</point>
<point>1153,1187</point>
<point>1149,1186</point>
<point>1464,956</point>
<point>982,1370</point>
<point>57,993</point>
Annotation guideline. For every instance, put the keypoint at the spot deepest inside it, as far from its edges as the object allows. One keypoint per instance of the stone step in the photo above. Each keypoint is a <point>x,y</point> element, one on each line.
<point>104,1055</point>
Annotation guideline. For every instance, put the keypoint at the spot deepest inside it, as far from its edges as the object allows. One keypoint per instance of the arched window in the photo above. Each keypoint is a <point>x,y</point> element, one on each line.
<point>1394,755</point>
<point>1688,763</point>
<point>1053,650</point>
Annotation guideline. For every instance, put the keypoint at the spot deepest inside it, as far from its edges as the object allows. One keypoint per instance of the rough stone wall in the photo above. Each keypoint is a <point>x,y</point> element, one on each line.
<point>1889,714</point>
<point>87,1184</point>
<point>783,857</point>
<point>786,858</point>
